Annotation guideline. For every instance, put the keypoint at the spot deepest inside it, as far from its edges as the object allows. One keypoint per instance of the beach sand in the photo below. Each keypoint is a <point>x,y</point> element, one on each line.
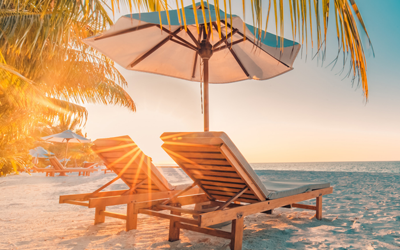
<point>362,213</point>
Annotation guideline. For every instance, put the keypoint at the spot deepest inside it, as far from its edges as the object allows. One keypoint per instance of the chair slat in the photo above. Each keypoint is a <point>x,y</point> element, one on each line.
<point>223,184</point>
<point>214,173</point>
<point>209,162</point>
<point>202,155</point>
<point>181,148</point>
<point>210,178</point>
<point>209,167</point>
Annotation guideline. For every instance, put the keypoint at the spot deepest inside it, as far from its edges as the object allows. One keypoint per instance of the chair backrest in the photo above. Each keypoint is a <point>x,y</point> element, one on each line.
<point>212,159</point>
<point>126,159</point>
<point>56,163</point>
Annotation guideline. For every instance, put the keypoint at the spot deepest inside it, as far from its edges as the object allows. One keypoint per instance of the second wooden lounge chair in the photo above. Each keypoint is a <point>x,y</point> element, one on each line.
<point>48,171</point>
<point>231,186</point>
<point>146,183</point>
<point>59,168</point>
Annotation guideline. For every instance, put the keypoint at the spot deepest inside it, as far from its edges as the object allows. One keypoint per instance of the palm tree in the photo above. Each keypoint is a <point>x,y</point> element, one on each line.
<point>46,70</point>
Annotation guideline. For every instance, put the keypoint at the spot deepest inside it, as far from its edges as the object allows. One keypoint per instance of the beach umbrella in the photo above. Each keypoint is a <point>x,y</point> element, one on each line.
<point>151,42</point>
<point>66,137</point>
<point>40,152</point>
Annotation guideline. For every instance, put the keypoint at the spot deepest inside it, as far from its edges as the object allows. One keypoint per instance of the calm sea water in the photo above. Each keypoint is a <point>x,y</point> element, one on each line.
<point>356,167</point>
<point>369,166</point>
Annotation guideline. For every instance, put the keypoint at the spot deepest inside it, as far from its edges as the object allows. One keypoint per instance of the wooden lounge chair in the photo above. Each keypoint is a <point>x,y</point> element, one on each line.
<point>62,170</point>
<point>48,171</point>
<point>136,170</point>
<point>51,171</point>
<point>214,163</point>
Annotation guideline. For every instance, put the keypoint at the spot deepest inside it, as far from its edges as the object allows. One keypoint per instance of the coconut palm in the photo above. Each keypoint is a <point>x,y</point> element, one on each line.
<point>46,71</point>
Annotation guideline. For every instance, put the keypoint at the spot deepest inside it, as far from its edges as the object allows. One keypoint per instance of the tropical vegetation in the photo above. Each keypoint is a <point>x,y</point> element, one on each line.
<point>46,71</point>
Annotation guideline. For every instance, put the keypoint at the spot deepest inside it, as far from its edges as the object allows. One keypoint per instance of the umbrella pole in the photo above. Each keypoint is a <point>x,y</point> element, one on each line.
<point>66,154</point>
<point>205,53</point>
<point>206,109</point>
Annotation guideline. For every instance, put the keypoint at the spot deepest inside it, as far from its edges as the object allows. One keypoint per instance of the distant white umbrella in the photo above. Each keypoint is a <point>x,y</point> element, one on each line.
<point>40,152</point>
<point>67,136</point>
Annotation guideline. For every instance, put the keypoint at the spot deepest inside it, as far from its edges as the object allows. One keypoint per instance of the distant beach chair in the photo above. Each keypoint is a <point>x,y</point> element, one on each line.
<point>146,183</point>
<point>59,168</point>
<point>48,171</point>
<point>230,185</point>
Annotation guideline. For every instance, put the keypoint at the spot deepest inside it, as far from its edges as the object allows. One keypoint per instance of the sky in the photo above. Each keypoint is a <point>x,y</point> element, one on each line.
<point>310,114</point>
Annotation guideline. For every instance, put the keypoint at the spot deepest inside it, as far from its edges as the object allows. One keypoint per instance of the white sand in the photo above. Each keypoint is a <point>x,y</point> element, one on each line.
<point>362,213</point>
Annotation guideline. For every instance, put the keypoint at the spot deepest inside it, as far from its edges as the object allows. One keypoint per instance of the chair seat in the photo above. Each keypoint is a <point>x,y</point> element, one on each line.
<point>280,189</point>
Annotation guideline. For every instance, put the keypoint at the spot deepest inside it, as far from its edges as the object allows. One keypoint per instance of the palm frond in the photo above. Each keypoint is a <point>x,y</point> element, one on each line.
<point>303,14</point>
<point>40,40</point>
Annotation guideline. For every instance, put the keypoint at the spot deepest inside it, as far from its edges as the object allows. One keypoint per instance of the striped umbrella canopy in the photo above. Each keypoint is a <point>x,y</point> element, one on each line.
<point>161,43</point>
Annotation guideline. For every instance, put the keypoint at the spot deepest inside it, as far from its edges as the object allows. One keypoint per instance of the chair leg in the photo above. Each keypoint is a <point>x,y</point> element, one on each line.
<point>98,217</point>
<point>237,234</point>
<point>319,207</point>
<point>174,231</point>
<point>131,217</point>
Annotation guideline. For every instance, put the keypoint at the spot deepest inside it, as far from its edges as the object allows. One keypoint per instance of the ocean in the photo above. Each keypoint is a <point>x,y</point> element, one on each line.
<point>350,167</point>
<point>362,166</point>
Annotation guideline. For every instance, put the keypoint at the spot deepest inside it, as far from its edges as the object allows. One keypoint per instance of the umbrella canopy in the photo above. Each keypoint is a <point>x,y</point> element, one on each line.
<point>66,136</point>
<point>136,43</point>
<point>40,152</point>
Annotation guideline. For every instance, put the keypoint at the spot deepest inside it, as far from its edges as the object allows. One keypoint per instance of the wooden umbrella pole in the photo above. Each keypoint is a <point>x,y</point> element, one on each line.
<point>206,106</point>
<point>205,53</point>
<point>66,154</point>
